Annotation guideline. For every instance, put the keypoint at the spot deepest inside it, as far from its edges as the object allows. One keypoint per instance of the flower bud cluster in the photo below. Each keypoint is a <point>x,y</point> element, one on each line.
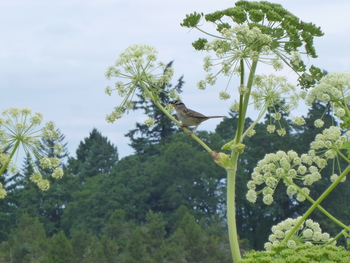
<point>287,167</point>
<point>333,88</point>
<point>329,142</point>
<point>308,233</point>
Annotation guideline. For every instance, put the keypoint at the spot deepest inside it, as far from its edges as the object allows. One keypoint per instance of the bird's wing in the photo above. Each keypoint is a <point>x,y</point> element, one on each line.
<point>192,113</point>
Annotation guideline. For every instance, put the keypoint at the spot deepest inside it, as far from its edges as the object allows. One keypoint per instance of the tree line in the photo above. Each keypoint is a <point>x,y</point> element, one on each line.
<point>164,203</point>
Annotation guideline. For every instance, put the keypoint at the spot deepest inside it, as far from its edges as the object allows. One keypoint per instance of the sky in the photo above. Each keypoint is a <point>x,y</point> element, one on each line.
<point>53,56</point>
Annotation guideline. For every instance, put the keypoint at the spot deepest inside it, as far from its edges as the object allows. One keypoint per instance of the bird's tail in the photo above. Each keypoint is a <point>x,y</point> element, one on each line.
<point>216,116</point>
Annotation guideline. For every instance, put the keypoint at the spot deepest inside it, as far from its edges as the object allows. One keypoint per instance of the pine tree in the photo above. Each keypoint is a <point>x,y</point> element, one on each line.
<point>136,248</point>
<point>95,155</point>
<point>60,249</point>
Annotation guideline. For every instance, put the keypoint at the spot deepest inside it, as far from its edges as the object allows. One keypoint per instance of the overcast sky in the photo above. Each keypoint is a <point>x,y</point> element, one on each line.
<point>54,55</point>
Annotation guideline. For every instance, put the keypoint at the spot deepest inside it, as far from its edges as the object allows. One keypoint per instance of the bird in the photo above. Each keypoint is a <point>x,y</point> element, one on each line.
<point>190,117</point>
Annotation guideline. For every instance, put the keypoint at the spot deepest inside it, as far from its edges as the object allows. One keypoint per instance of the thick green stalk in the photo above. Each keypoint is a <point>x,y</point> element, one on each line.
<point>231,213</point>
<point>3,168</point>
<point>231,173</point>
<point>316,204</point>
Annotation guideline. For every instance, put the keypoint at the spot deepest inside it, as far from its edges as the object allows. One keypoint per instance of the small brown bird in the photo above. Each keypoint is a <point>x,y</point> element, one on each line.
<point>190,117</point>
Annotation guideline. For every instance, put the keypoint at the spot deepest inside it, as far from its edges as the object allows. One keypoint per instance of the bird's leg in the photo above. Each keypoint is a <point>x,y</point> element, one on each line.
<point>185,126</point>
<point>193,130</point>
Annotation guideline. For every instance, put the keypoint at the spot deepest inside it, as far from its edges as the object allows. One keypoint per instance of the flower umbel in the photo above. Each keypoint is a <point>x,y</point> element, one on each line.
<point>282,166</point>
<point>334,88</point>
<point>271,90</point>
<point>19,127</point>
<point>309,233</point>
<point>138,66</point>
<point>262,31</point>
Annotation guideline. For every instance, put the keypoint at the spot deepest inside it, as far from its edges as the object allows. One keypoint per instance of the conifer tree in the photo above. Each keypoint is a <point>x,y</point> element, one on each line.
<point>26,243</point>
<point>60,249</point>
<point>96,154</point>
<point>136,248</point>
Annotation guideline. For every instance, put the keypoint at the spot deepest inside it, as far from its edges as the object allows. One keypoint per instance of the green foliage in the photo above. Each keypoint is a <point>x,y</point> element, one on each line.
<point>310,79</point>
<point>92,206</point>
<point>192,20</point>
<point>26,243</point>
<point>183,174</point>
<point>191,240</point>
<point>199,44</point>
<point>302,254</point>
<point>7,209</point>
<point>95,251</point>
<point>136,248</point>
<point>95,155</point>
<point>287,33</point>
<point>48,206</point>
<point>60,249</point>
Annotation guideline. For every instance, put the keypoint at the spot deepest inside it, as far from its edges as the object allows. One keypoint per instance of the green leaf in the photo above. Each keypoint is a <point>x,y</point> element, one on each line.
<point>192,20</point>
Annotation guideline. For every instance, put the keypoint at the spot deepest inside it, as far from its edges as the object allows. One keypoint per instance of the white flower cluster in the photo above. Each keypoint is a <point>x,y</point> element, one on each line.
<point>236,43</point>
<point>137,64</point>
<point>330,141</point>
<point>308,233</point>
<point>334,87</point>
<point>19,127</point>
<point>271,90</point>
<point>288,167</point>
<point>149,122</point>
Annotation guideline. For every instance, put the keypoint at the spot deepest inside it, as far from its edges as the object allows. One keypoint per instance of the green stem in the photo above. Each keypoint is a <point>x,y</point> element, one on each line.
<point>316,204</point>
<point>231,214</point>
<point>342,156</point>
<point>319,206</point>
<point>209,33</point>
<point>244,101</point>
<point>3,168</point>
<point>335,238</point>
<point>255,122</point>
